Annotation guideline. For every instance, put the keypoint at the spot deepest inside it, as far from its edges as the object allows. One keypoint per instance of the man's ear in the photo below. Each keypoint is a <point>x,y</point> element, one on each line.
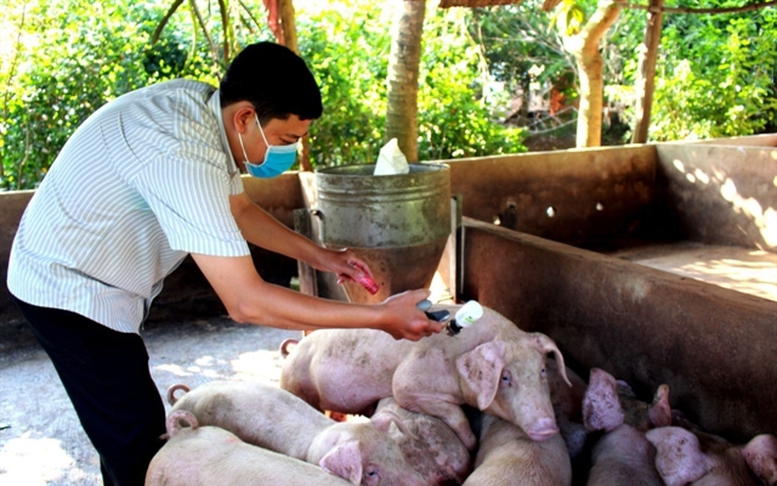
<point>242,116</point>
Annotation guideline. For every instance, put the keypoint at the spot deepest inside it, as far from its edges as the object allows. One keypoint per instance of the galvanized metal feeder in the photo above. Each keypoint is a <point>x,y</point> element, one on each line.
<point>399,224</point>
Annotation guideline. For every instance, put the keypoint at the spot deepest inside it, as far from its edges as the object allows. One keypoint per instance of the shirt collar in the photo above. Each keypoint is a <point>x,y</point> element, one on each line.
<point>214,103</point>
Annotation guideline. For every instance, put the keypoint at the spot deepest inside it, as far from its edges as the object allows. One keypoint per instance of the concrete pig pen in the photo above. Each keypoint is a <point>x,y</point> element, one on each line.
<point>672,277</point>
<point>655,262</point>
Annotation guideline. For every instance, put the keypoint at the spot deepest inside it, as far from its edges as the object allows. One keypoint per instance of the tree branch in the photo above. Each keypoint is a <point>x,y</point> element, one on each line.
<point>213,50</point>
<point>599,23</point>
<point>688,10</point>
<point>162,23</point>
<point>250,15</point>
<point>11,73</point>
<point>225,26</point>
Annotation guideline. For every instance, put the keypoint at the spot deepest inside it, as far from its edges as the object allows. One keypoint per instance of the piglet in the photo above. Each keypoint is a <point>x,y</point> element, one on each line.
<point>568,405</point>
<point>491,365</point>
<point>622,455</point>
<point>205,456</point>
<point>431,447</point>
<point>266,416</point>
<point>705,460</point>
<point>508,457</point>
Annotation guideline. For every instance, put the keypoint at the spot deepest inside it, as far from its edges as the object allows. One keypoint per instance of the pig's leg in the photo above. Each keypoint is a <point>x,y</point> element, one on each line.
<point>450,413</point>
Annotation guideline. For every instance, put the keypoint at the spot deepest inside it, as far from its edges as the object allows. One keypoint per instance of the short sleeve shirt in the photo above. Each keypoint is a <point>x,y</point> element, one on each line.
<point>141,184</point>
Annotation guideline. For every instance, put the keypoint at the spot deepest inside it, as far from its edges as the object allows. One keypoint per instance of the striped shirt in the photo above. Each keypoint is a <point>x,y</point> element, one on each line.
<point>141,184</point>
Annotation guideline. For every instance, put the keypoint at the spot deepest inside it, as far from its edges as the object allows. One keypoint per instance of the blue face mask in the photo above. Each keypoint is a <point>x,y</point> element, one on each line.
<point>277,158</point>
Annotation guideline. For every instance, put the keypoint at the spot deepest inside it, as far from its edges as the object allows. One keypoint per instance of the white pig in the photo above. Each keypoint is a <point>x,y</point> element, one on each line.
<point>491,365</point>
<point>508,457</point>
<point>431,447</point>
<point>706,460</point>
<point>623,455</point>
<point>207,456</point>
<point>272,418</point>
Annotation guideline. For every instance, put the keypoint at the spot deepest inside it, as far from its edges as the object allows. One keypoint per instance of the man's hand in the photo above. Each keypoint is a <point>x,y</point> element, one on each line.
<point>344,263</point>
<point>403,318</point>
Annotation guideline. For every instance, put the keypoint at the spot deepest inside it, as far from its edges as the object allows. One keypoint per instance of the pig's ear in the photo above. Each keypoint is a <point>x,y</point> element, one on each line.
<point>761,455</point>
<point>660,413</point>
<point>383,419</point>
<point>545,345</point>
<point>679,458</point>
<point>481,369</point>
<point>345,461</point>
<point>602,408</point>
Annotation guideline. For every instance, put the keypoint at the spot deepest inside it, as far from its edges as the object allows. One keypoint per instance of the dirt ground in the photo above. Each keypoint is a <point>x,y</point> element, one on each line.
<point>41,441</point>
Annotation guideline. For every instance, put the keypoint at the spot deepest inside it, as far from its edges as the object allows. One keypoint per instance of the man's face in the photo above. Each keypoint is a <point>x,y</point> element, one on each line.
<point>277,132</point>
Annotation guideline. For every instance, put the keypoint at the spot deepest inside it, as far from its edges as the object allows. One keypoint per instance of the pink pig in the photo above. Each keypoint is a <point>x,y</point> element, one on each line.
<point>507,457</point>
<point>205,456</point>
<point>491,365</point>
<point>431,447</point>
<point>623,455</point>
<point>568,406</point>
<point>266,416</point>
<point>706,460</point>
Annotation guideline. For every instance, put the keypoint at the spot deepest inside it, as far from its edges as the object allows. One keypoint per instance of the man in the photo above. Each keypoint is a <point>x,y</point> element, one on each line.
<point>152,177</point>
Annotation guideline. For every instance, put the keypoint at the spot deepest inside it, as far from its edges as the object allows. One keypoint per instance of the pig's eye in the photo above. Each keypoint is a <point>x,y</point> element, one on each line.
<point>506,380</point>
<point>371,476</point>
<point>543,372</point>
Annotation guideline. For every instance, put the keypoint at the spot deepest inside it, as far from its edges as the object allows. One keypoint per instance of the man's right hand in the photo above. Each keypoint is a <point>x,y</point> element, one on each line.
<point>404,320</point>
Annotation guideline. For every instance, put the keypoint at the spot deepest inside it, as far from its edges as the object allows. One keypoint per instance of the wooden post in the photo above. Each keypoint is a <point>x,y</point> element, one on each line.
<point>645,84</point>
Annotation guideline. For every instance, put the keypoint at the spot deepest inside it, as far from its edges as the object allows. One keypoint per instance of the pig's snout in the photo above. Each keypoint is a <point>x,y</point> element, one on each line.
<point>543,429</point>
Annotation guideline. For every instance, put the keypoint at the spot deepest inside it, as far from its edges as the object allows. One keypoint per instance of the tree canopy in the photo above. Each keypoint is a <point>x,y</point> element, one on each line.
<point>61,60</point>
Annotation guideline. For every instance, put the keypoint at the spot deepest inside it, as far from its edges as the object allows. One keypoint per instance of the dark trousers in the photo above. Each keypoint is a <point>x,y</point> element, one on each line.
<point>106,376</point>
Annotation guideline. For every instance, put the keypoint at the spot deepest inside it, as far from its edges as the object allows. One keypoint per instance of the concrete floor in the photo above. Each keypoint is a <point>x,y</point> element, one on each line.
<point>41,440</point>
<point>745,270</point>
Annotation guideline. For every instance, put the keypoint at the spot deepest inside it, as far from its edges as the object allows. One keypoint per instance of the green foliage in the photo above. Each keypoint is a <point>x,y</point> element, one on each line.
<point>455,119</point>
<point>347,46</point>
<point>569,17</point>
<point>347,49</point>
<point>721,82</point>
<point>74,56</point>
<point>514,38</point>
<point>60,60</point>
<point>68,58</point>
<point>715,73</point>
<point>65,69</point>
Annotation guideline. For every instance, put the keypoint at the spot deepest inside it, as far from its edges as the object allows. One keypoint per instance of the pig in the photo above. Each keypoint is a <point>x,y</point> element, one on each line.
<point>431,447</point>
<point>272,418</point>
<point>567,405</point>
<point>209,455</point>
<point>608,403</point>
<point>703,459</point>
<point>623,455</point>
<point>508,457</point>
<point>491,365</point>
<point>761,455</point>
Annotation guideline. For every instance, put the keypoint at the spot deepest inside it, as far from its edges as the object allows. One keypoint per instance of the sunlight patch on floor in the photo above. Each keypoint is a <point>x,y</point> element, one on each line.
<point>36,461</point>
<point>748,271</point>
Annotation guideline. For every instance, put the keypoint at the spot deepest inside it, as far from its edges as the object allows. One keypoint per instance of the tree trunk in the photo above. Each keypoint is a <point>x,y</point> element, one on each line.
<point>404,59</point>
<point>584,46</point>
<point>288,26</point>
<point>645,83</point>
<point>289,31</point>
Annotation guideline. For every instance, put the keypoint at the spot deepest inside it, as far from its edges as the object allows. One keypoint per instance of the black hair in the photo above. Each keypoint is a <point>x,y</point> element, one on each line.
<point>275,80</point>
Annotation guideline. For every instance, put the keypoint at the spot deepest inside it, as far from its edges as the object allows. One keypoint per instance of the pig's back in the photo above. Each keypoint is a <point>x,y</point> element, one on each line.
<point>258,413</point>
<point>209,455</point>
<point>343,370</point>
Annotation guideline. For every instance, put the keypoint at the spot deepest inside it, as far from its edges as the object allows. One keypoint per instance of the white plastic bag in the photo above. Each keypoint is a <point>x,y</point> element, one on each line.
<point>391,160</point>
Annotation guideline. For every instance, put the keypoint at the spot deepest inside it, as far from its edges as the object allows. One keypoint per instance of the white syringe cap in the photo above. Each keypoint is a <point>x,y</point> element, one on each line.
<point>469,313</point>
